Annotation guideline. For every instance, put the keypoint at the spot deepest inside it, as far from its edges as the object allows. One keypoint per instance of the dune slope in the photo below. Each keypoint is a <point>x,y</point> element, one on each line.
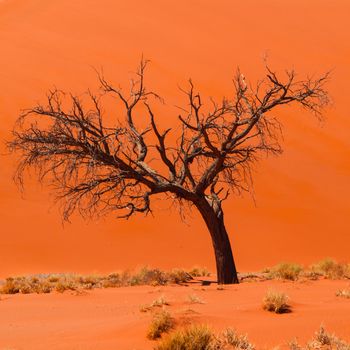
<point>301,197</point>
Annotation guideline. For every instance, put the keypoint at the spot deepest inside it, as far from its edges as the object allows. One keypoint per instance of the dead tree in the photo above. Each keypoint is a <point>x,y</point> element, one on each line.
<point>97,164</point>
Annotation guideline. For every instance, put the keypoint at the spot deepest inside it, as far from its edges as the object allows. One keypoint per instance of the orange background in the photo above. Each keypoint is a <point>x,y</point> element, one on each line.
<point>302,198</point>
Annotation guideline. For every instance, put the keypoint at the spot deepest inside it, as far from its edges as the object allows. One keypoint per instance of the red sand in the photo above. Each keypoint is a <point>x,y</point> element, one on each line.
<point>301,197</point>
<point>111,319</point>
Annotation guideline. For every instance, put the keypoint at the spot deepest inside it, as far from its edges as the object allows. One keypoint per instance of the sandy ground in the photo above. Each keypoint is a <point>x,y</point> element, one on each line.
<point>107,319</point>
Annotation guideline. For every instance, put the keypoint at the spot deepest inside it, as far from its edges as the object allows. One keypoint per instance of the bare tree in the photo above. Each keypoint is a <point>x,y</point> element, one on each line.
<point>95,168</point>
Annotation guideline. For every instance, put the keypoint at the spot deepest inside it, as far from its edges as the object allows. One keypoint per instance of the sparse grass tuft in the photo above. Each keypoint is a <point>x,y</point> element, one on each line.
<point>195,299</point>
<point>286,271</point>
<point>294,345</point>
<point>196,337</point>
<point>344,293</point>
<point>159,302</point>
<point>162,322</point>
<point>276,302</point>
<point>331,269</point>
<point>230,339</point>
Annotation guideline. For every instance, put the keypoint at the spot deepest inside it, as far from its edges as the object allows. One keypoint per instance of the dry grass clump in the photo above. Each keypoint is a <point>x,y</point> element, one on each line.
<point>294,345</point>
<point>178,276</point>
<point>201,337</point>
<point>162,322</point>
<point>321,340</point>
<point>196,337</point>
<point>199,272</point>
<point>285,271</point>
<point>331,341</point>
<point>46,283</point>
<point>230,339</point>
<point>327,268</point>
<point>25,285</point>
<point>195,299</point>
<point>331,269</point>
<point>159,302</point>
<point>148,276</point>
<point>276,302</point>
<point>344,293</point>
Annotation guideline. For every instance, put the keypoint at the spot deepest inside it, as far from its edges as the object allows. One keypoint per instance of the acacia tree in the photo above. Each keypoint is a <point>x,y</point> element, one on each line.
<point>98,164</point>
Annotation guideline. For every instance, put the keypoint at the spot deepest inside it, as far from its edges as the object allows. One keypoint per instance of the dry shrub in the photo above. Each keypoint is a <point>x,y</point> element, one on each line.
<point>11,286</point>
<point>276,302</point>
<point>42,287</point>
<point>62,286</point>
<point>53,278</point>
<point>149,276</point>
<point>196,337</point>
<point>294,345</point>
<point>162,322</point>
<point>144,308</point>
<point>311,275</point>
<point>329,268</point>
<point>46,283</point>
<point>178,276</point>
<point>285,271</point>
<point>327,341</point>
<point>344,293</point>
<point>321,340</point>
<point>25,285</point>
<point>230,339</point>
<point>159,302</point>
<point>201,337</point>
<point>199,272</point>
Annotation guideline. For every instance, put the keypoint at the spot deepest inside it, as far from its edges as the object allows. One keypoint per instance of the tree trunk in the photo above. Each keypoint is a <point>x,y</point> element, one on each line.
<point>214,219</point>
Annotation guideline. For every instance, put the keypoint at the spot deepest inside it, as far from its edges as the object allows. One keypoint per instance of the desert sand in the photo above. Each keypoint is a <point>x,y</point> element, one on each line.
<point>111,319</point>
<point>301,199</point>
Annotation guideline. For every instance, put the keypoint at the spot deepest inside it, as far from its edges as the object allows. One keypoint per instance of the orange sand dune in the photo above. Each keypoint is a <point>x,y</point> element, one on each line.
<point>111,319</point>
<point>302,205</point>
